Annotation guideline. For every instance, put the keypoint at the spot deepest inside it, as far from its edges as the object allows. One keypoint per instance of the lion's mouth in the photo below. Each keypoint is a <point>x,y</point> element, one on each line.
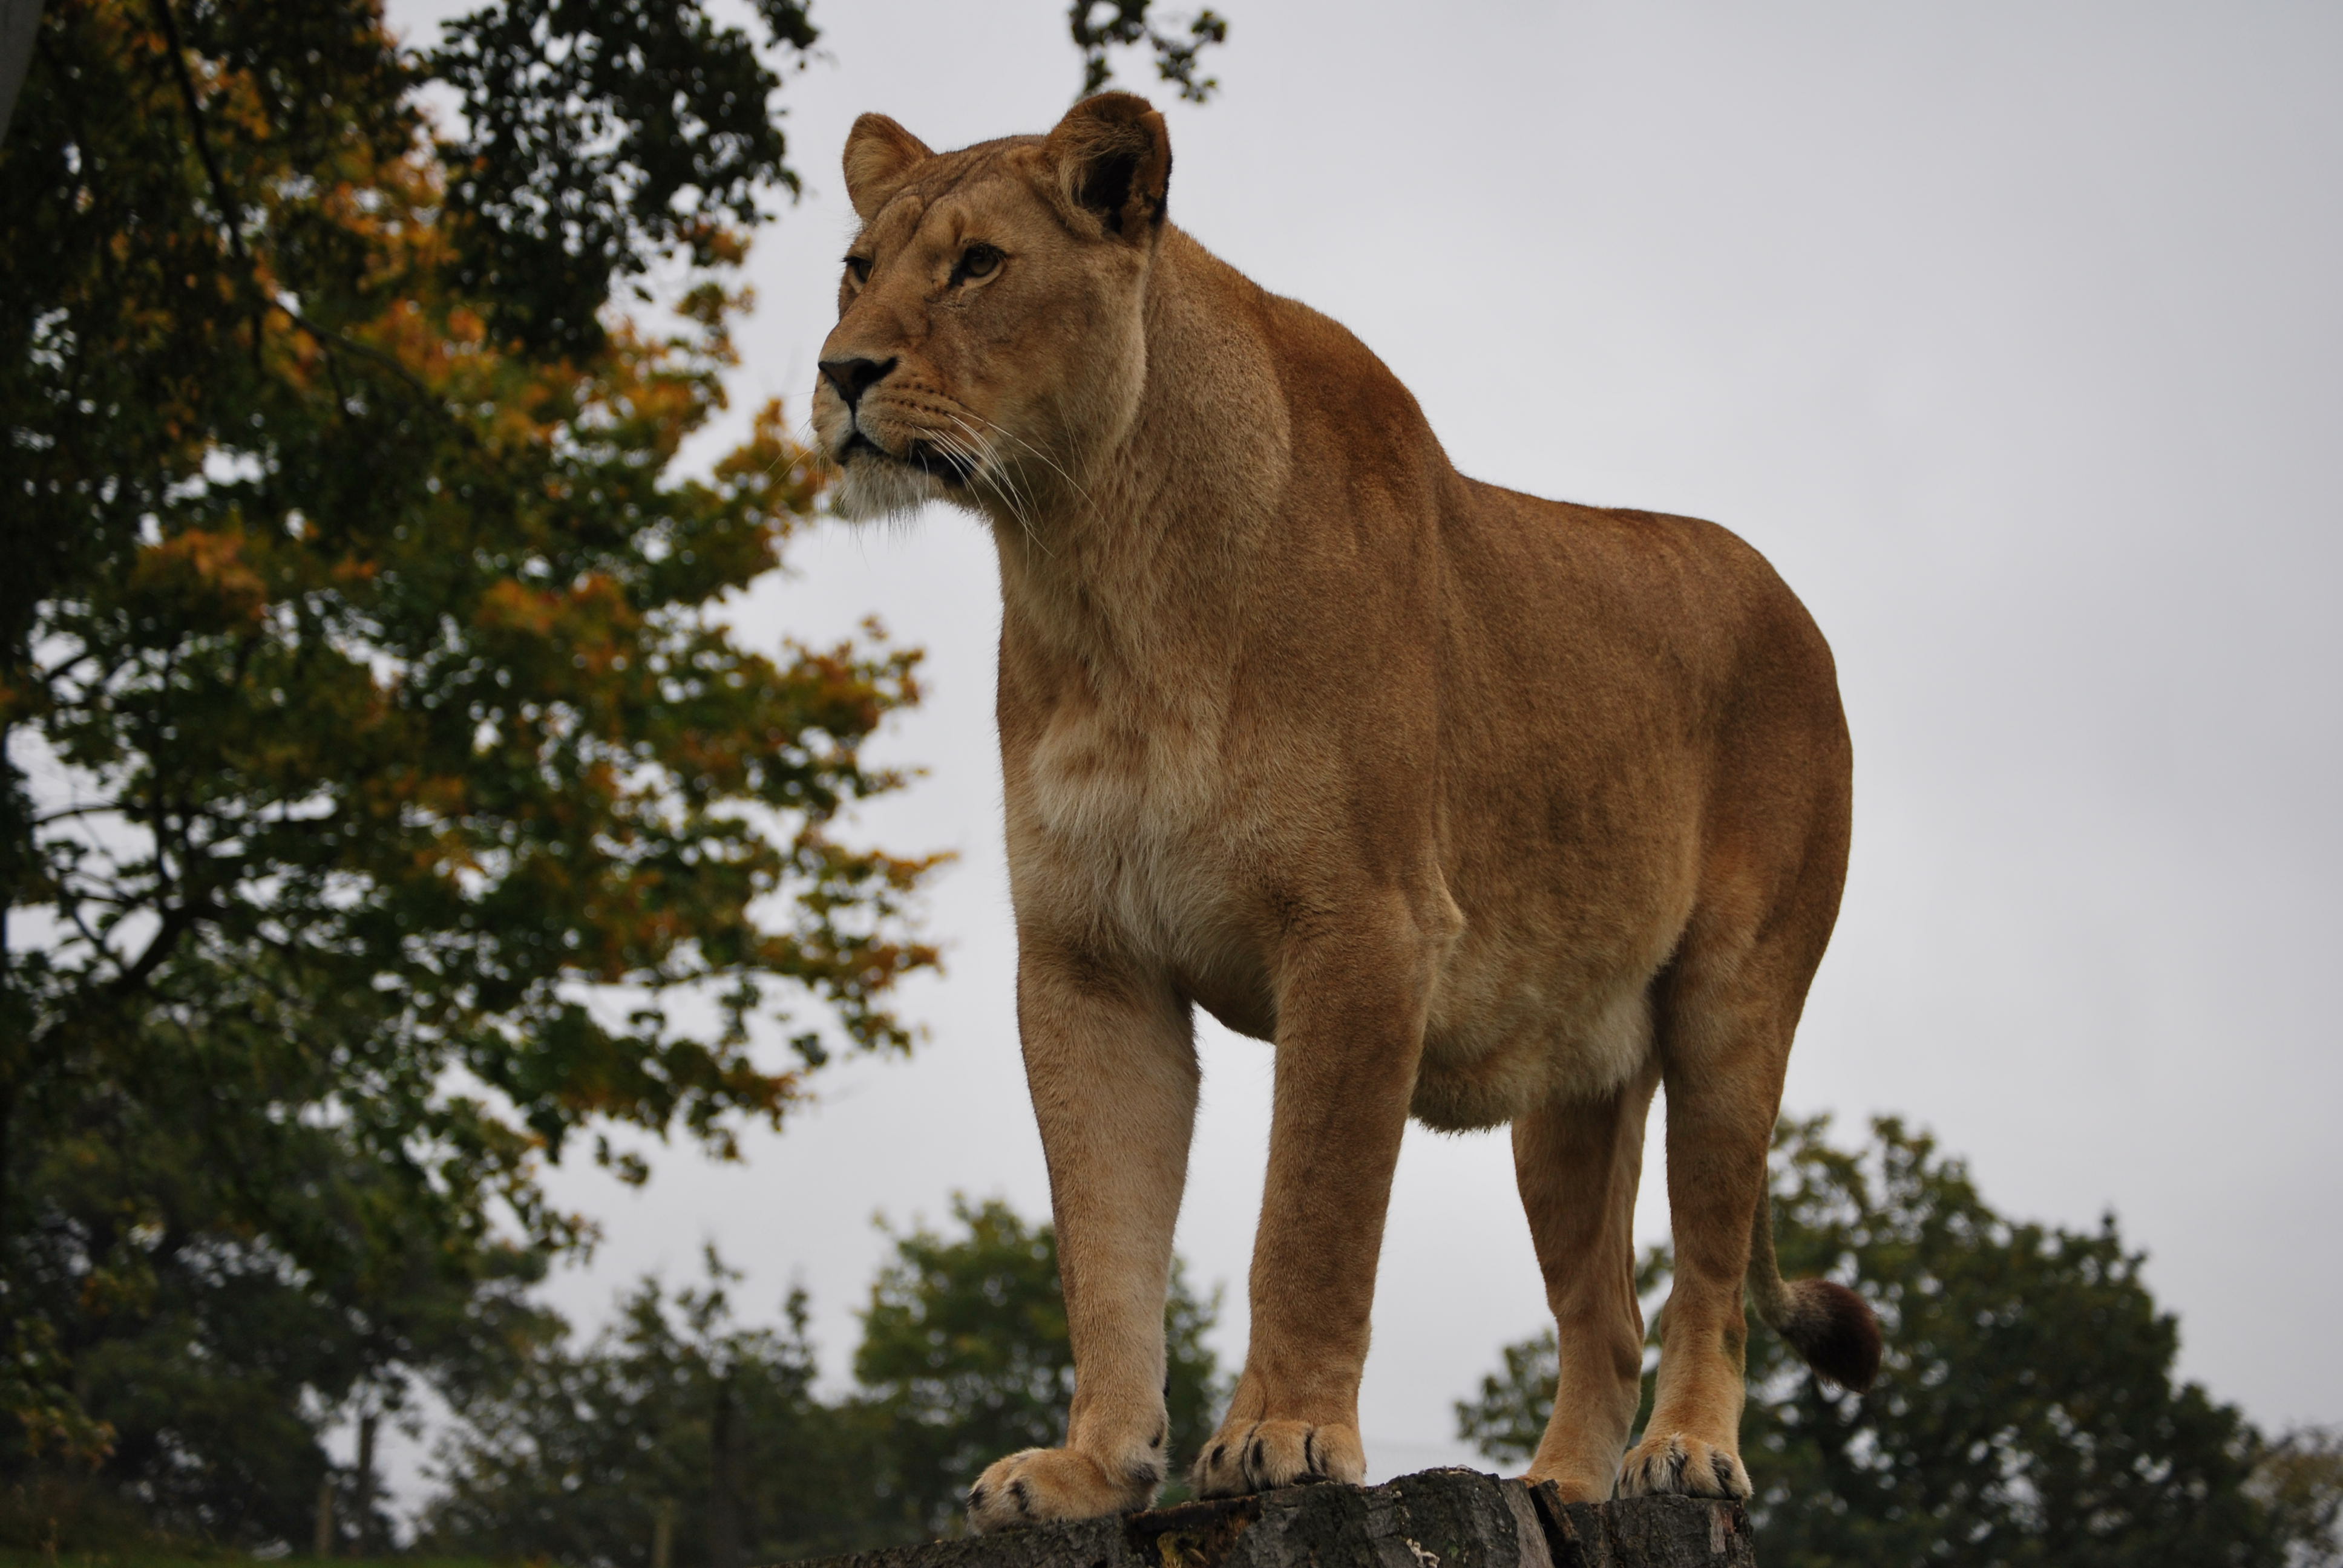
<point>951,467</point>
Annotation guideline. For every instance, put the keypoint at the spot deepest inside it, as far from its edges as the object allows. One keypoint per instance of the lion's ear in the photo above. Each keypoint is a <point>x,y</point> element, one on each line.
<point>1114,163</point>
<point>878,152</point>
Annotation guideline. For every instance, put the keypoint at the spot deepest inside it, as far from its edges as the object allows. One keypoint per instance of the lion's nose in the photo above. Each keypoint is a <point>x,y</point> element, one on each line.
<point>852,377</point>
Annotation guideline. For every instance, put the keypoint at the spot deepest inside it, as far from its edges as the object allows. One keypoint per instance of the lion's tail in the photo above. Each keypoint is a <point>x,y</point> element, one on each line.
<point>1832,1327</point>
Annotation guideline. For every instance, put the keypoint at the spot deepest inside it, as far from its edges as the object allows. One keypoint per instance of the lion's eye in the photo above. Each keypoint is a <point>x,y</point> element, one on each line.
<point>977,261</point>
<point>858,268</point>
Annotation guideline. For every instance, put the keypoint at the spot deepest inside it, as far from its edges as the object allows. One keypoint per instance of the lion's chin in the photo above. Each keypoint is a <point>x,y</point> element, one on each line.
<point>876,487</point>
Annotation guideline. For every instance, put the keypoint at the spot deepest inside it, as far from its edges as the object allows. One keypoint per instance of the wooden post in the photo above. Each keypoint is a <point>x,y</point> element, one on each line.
<point>663,1533</point>
<point>363,1505</point>
<point>322,1544</point>
<point>724,1548</point>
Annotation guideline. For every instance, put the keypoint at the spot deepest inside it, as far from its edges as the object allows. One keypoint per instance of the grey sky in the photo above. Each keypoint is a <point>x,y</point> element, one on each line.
<point>2012,333</point>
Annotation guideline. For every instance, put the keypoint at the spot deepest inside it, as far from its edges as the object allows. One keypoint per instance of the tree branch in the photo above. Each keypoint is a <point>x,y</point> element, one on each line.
<point>220,192</point>
<point>177,922</point>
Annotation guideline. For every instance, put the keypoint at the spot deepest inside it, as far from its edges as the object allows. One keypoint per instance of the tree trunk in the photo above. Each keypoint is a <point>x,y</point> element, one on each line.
<point>362,1506</point>
<point>723,1483</point>
<point>1440,1519</point>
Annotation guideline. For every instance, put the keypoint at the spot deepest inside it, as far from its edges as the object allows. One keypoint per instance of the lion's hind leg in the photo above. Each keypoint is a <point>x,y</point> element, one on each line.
<point>1720,1119</point>
<point>1716,1171</point>
<point>1577,1163</point>
<point>1727,1011</point>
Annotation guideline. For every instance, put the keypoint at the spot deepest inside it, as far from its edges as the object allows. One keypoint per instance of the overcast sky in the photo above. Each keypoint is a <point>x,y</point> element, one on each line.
<point>2012,333</point>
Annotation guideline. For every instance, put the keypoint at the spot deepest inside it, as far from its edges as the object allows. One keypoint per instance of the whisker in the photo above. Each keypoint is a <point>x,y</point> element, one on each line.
<point>1057,468</point>
<point>1005,484</point>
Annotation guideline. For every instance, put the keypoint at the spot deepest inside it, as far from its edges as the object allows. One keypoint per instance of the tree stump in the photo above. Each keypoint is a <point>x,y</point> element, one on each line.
<point>1439,1519</point>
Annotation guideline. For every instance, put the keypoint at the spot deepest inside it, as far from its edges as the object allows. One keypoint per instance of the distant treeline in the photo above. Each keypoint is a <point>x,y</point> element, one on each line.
<point>2027,1413</point>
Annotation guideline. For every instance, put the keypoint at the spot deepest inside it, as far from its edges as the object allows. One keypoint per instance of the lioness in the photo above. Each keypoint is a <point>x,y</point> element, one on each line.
<point>1483,807</point>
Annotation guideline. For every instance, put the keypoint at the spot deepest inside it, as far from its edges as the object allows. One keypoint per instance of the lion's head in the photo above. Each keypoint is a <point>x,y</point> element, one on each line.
<point>989,336</point>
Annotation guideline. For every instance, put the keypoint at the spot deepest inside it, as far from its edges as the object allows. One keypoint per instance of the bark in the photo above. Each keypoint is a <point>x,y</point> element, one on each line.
<point>1440,1519</point>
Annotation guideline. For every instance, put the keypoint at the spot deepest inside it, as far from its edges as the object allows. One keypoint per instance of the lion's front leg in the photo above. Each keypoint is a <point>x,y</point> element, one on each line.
<point>1351,1012</point>
<point>1110,1061</point>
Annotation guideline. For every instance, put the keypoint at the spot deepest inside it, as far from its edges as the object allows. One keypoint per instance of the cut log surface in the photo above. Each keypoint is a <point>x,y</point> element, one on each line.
<point>1440,1519</point>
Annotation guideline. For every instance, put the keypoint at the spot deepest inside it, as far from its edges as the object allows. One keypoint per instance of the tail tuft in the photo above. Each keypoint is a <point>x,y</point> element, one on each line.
<point>1833,1329</point>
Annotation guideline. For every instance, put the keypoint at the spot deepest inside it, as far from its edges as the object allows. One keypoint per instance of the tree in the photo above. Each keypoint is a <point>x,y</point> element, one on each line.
<point>965,1357</point>
<point>388,807</point>
<point>671,1410</point>
<point>2025,1412</point>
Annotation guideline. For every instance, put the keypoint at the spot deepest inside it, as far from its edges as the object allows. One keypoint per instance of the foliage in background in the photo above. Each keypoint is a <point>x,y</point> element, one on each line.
<point>964,1358</point>
<point>2025,1412</point>
<point>674,1408</point>
<point>2299,1479</point>
<point>598,140</point>
<point>1100,25</point>
<point>387,804</point>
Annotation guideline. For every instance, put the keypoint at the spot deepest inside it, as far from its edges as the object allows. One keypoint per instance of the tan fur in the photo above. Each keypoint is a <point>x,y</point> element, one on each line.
<point>1483,807</point>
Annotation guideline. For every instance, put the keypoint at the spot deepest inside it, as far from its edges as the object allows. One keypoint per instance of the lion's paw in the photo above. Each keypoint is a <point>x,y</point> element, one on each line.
<point>1261,1456</point>
<point>1585,1483</point>
<point>1672,1464</point>
<point>1039,1485</point>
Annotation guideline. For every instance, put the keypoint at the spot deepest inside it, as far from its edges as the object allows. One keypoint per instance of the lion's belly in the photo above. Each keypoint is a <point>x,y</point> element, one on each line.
<point>1548,991</point>
<point>1511,1028</point>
